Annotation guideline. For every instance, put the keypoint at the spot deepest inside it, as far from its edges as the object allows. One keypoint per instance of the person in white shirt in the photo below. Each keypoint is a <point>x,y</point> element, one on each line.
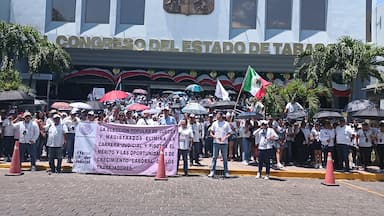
<point>29,133</point>
<point>365,137</point>
<point>293,106</point>
<point>344,136</point>
<point>8,133</point>
<point>265,139</point>
<point>71,122</point>
<point>380,146</point>
<point>327,139</point>
<point>314,138</point>
<point>56,139</point>
<point>220,131</point>
<point>197,136</point>
<point>185,144</point>
<point>145,120</point>
<point>245,134</point>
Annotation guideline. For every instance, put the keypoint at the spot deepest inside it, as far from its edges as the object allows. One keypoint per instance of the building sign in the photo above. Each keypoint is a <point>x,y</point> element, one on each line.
<point>187,46</point>
<point>189,7</point>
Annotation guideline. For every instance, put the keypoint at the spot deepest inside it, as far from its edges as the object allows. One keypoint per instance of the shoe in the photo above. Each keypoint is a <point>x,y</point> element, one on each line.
<point>280,166</point>
<point>69,161</point>
<point>211,174</point>
<point>8,159</point>
<point>321,167</point>
<point>226,175</point>
<point>266,177</point>
<point>245,162</point>
<point>185,174</point>
<point>58,171</point>
<point>33,168</point>
<point>198,164</point>
<point>258,175</point>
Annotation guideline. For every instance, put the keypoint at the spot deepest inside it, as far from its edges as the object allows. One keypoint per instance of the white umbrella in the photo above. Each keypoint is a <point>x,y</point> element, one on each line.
<point>194,108</point>
<point>80,105</point>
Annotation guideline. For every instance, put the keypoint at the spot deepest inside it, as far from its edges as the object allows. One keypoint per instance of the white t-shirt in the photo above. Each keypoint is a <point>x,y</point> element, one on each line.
<point>344,135</point>
<point>143,121</point>
<point>265,138</point>
<point>197,131</point>
<point>380,138</point>
<point>244,132</point>
<point>293,107</point>
<point>71,124</point>
<point>27,131</point>
<point>365,138</point>
<point>327,137</point>
<point>185,135</point>
<point>56,135</point>
<point>220,130</point>
<point>8,128</point>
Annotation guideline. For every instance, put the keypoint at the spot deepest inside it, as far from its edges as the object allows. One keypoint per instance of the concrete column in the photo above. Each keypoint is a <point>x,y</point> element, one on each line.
<point>296,12</point>
<point>114,16</point>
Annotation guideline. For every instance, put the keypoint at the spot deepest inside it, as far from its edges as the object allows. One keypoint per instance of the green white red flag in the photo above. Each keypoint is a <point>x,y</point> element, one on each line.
<point>255,84</point>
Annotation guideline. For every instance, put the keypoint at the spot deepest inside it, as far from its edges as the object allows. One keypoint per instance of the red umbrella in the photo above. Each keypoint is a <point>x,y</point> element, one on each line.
<point>114,95</point>
<point>61,106</point>
<point>137,107</point>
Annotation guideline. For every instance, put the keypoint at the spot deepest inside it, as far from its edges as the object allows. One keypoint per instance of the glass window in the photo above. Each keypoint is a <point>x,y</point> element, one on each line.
<point>244,14</point>
<point>279,14</point>
<point>63,10</point>
<point>97,11</point>
<point>132,12</point>
<point>313,14</point>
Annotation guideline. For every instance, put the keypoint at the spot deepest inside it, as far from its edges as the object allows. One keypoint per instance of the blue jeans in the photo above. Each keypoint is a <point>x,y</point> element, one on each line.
<point>183,153</point>
<point>245,145</point>
<point>342,151</point>
<point>30,149</point>
<point>70,144</point>
<point>265,156</point>
<point>224,152</point>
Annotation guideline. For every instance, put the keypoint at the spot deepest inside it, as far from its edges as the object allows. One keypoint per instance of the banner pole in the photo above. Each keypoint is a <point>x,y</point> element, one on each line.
<point>241,89</point>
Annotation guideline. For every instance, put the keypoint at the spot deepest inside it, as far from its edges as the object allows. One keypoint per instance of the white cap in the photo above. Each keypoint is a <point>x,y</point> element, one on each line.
<point>192,115</point>
<point>56,116</point>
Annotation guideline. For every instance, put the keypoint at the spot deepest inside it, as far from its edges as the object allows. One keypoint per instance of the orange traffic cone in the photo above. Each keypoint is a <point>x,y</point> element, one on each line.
<point>329,176</point>
<point>15,169</point>
<point>161,168</point>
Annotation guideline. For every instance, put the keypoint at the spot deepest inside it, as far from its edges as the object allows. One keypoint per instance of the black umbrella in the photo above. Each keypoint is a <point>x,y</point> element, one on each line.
<point>223,105</point>
<point>327,114</point>
<point>250,115</point>
<point>370,113</point>
<point>14,96</point>
<point>358,105</point>
<point>96,105</point>
<point>296,115</point>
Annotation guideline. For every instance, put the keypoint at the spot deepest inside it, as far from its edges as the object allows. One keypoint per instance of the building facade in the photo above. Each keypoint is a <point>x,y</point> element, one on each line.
<point>167,44</point>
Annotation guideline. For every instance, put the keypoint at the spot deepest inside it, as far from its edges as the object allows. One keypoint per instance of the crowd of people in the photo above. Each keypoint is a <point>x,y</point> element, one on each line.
<point>271,142</point>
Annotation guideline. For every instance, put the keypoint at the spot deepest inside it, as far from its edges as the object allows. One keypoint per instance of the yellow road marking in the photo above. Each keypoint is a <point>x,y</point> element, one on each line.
<point>363,189</point>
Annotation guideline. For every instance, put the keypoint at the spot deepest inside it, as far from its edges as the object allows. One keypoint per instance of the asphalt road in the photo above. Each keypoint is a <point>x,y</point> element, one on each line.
<point>37,193</point>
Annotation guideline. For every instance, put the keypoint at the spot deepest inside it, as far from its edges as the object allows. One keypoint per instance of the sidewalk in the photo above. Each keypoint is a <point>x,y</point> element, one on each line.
<point>239,169</point>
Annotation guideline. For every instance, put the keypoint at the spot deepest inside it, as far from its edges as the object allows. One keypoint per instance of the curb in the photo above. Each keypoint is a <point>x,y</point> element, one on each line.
<point>281,174</point>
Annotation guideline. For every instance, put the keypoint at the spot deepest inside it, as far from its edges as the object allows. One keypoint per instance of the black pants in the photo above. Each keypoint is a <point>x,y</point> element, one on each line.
<point>194,153</point>
<point>365,153</point>
<point>380,155</point>
<point>55,153</point>
<point>9,143</point>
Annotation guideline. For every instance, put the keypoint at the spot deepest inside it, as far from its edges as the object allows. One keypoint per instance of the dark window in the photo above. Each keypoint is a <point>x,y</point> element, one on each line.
<point>132,12</point>
<point>97,11</point>
<point>279,14</point>
<point>63,10</point>
<point>313,14</point>
<point>244,14</point>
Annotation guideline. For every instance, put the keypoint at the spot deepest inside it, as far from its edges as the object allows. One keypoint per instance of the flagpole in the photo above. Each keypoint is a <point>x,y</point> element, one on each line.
<point>241,89</point>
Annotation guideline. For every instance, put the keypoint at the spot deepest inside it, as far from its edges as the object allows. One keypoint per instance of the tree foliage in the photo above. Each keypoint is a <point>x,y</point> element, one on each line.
<point>344,62</point>
<point>307,93</point>
<point>17,42</point>
<point>10,80</point>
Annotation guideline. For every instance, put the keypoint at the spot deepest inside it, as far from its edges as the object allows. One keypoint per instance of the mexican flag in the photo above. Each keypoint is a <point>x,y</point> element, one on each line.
<point>255,84</point>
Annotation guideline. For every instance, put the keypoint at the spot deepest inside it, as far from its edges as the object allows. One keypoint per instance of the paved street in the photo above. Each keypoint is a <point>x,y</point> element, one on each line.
<point>75,194</point>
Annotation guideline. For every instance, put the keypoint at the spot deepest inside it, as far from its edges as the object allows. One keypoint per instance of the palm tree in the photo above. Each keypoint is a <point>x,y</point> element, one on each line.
<point>307,93</point>
<point>345,61</point>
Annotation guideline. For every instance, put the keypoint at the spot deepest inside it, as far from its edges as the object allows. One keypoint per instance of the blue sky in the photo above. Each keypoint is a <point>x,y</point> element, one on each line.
<point>379,1</point>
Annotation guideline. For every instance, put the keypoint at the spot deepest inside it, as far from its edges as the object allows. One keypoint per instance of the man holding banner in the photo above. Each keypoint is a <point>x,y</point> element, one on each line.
<point>185,143</point>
